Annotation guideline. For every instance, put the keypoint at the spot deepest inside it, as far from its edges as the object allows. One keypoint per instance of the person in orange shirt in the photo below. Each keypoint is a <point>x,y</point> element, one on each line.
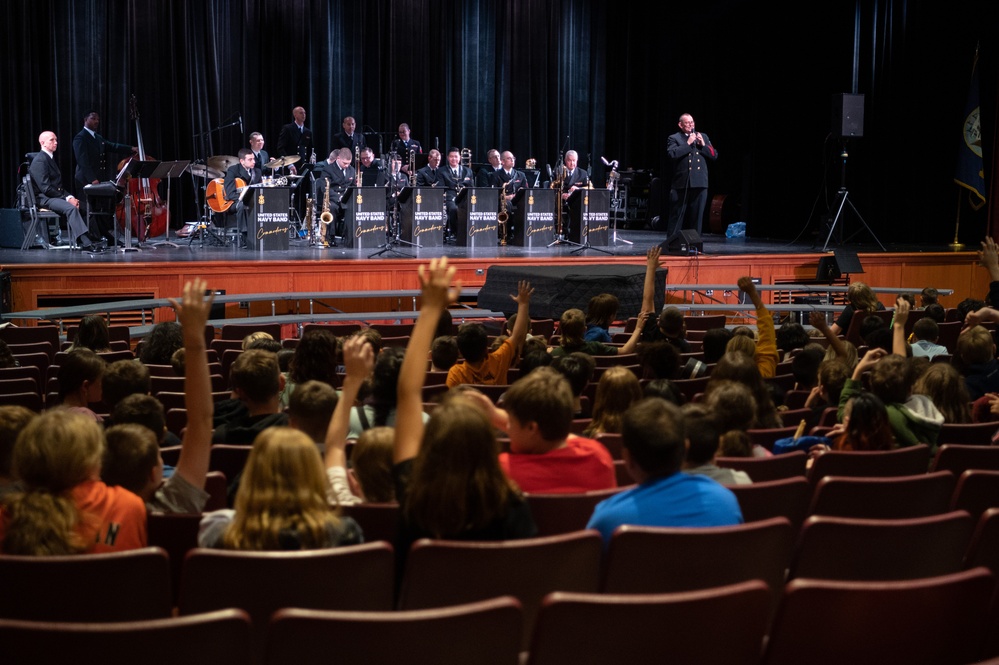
<point>63,507</point>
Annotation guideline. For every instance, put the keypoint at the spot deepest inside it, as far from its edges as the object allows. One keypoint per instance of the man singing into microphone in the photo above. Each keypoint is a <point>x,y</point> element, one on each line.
<point>689,190</point>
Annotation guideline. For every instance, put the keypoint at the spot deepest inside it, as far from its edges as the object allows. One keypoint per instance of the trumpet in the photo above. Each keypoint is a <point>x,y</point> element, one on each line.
<point>326,218</point>
<point>412,168</point>
<point>357,167</point>
<point>503,216</point>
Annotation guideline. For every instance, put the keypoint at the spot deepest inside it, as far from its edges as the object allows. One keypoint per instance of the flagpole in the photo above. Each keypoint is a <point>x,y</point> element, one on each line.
<point>957,246</point>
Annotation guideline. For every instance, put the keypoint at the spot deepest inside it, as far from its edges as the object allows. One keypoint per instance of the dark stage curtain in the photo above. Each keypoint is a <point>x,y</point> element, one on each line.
<point>534,77</point>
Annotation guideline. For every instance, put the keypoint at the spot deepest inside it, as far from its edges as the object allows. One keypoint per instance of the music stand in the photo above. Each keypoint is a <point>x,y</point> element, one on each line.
<point>584,220</point>
<point>168,171</point>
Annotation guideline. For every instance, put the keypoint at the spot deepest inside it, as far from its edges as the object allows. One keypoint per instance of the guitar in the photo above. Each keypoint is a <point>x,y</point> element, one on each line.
<point>215,194</point>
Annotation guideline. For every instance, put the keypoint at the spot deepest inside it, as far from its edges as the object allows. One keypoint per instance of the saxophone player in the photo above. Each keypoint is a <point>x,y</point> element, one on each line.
<point>511,180</point>
<point>337,169</point>
<point>458,177</point>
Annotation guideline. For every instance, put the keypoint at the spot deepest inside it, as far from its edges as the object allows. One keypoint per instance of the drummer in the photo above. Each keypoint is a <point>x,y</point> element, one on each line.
<point>259,154</point>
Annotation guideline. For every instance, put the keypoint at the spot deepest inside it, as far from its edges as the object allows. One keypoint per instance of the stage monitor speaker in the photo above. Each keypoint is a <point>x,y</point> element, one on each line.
<point>842,262</point>
<point>848,115</point>
<point>688,242</point>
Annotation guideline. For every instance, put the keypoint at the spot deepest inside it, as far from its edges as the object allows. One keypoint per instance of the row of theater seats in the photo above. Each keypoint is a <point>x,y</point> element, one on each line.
<point>665,595</point>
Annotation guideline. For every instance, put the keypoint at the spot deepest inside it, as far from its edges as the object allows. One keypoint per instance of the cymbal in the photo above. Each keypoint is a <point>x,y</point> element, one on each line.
<point>278,162</point>
<point>222,162</point>
<point>203,171</point>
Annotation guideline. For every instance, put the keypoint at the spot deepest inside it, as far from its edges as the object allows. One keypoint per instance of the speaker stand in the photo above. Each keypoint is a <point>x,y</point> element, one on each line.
<point>842,200</point>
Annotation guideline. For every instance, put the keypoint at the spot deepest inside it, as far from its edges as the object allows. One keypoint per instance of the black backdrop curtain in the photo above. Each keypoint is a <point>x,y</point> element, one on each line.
<point>524,75</point>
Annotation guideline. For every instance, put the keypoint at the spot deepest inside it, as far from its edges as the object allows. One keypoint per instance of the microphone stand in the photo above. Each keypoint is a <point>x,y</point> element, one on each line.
<point>392,224</point>
<point>585,217</point>
<point>612,179</point>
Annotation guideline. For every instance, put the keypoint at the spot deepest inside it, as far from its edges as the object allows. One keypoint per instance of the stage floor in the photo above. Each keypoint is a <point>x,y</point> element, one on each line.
<point>299,250</point>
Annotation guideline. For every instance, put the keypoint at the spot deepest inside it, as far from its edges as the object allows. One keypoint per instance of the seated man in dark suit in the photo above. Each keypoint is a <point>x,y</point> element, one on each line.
<point>260,156</point>
<point>484,178</point>
<point>49,192</point>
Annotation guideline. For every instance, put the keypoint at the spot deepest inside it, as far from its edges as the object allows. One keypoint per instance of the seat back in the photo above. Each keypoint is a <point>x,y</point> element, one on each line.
<point>908,461</point>
<point>564,513</point>
<point>787,498</point>
<point>976,492</point>
<point>228,459</point>
<point>853,331</point>
<point>974,434</point>
<point>841,548</point>
<point>240,330</point>
<point>440,573</point>
<point>115,586</point>
<point>937,620</point>
<point>652,628</point>
<point>378,521</point>
<point>762,469</point>
<point>667,560</point>
<point>485,633</point>
<point>216,638</point>
<point>884,498</point>
<point>984,548</point>
<point>356,577</point>
<point>958,458</point>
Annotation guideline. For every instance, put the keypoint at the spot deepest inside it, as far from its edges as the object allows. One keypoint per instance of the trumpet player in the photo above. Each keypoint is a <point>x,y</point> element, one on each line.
<point>349,138</point>
<point>405,145</point>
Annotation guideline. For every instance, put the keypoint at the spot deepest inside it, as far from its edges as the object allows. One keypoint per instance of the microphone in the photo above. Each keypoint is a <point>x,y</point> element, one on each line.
<point>549,167</point>
<point>240,123</point>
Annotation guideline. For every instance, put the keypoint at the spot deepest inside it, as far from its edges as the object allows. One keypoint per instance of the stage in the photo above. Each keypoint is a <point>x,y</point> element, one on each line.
<point>58,278</point>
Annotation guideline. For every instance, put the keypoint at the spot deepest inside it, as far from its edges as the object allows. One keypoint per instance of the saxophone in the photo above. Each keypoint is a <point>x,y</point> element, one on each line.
<point>503,217</point>
<point>310,214</point>
<point>327,217</point>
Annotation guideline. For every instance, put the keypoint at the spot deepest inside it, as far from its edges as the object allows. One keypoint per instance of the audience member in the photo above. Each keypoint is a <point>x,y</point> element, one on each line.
<point>669,325</point>
<point>734,409</point>
<point>257,383</point>
<point>600,315</point>
<point>163,340</point>
<point>310,408</point>
<point>703,437</point>
<point>945,386</point>
<point>92,334</point>
<point>654,437</point>
<point>63,507</point>
<point>861,299</point>
<point>617,390</point>
<point>742,369</point>
<point>713,344</point>
<point>378,410</point>
<point>134,461</point>
<point>254,337</point>
<point>976,353</point>
<point>578,369</point>
<point>449,483</point>
<point>372,459</point>
<point>123,378</point>
<point>928,296</point>
<point>443,353</point>
<point>865,426</point>
<point>281,503</point>
<point>13,419</point>
<point>572,328</point>
<point>480,366</point>
<point>80,377</point>
<point>664,389</point>
<point>914,418</point>
<point>545,457</point>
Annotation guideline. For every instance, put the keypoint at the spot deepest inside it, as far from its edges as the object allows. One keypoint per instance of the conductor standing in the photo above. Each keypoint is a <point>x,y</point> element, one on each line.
<point>690,151</point>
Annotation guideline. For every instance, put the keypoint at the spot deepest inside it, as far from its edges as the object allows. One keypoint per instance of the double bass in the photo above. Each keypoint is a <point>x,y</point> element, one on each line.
<point>150,215</point>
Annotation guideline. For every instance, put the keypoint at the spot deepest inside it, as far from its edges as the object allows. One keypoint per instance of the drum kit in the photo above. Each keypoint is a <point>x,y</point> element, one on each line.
<point>212,174</point>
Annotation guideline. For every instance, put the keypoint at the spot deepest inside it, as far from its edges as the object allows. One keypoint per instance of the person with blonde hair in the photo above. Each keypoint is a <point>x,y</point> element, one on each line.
<point>63,507</point>
<point>281,502</point>
<point>862,300</point>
